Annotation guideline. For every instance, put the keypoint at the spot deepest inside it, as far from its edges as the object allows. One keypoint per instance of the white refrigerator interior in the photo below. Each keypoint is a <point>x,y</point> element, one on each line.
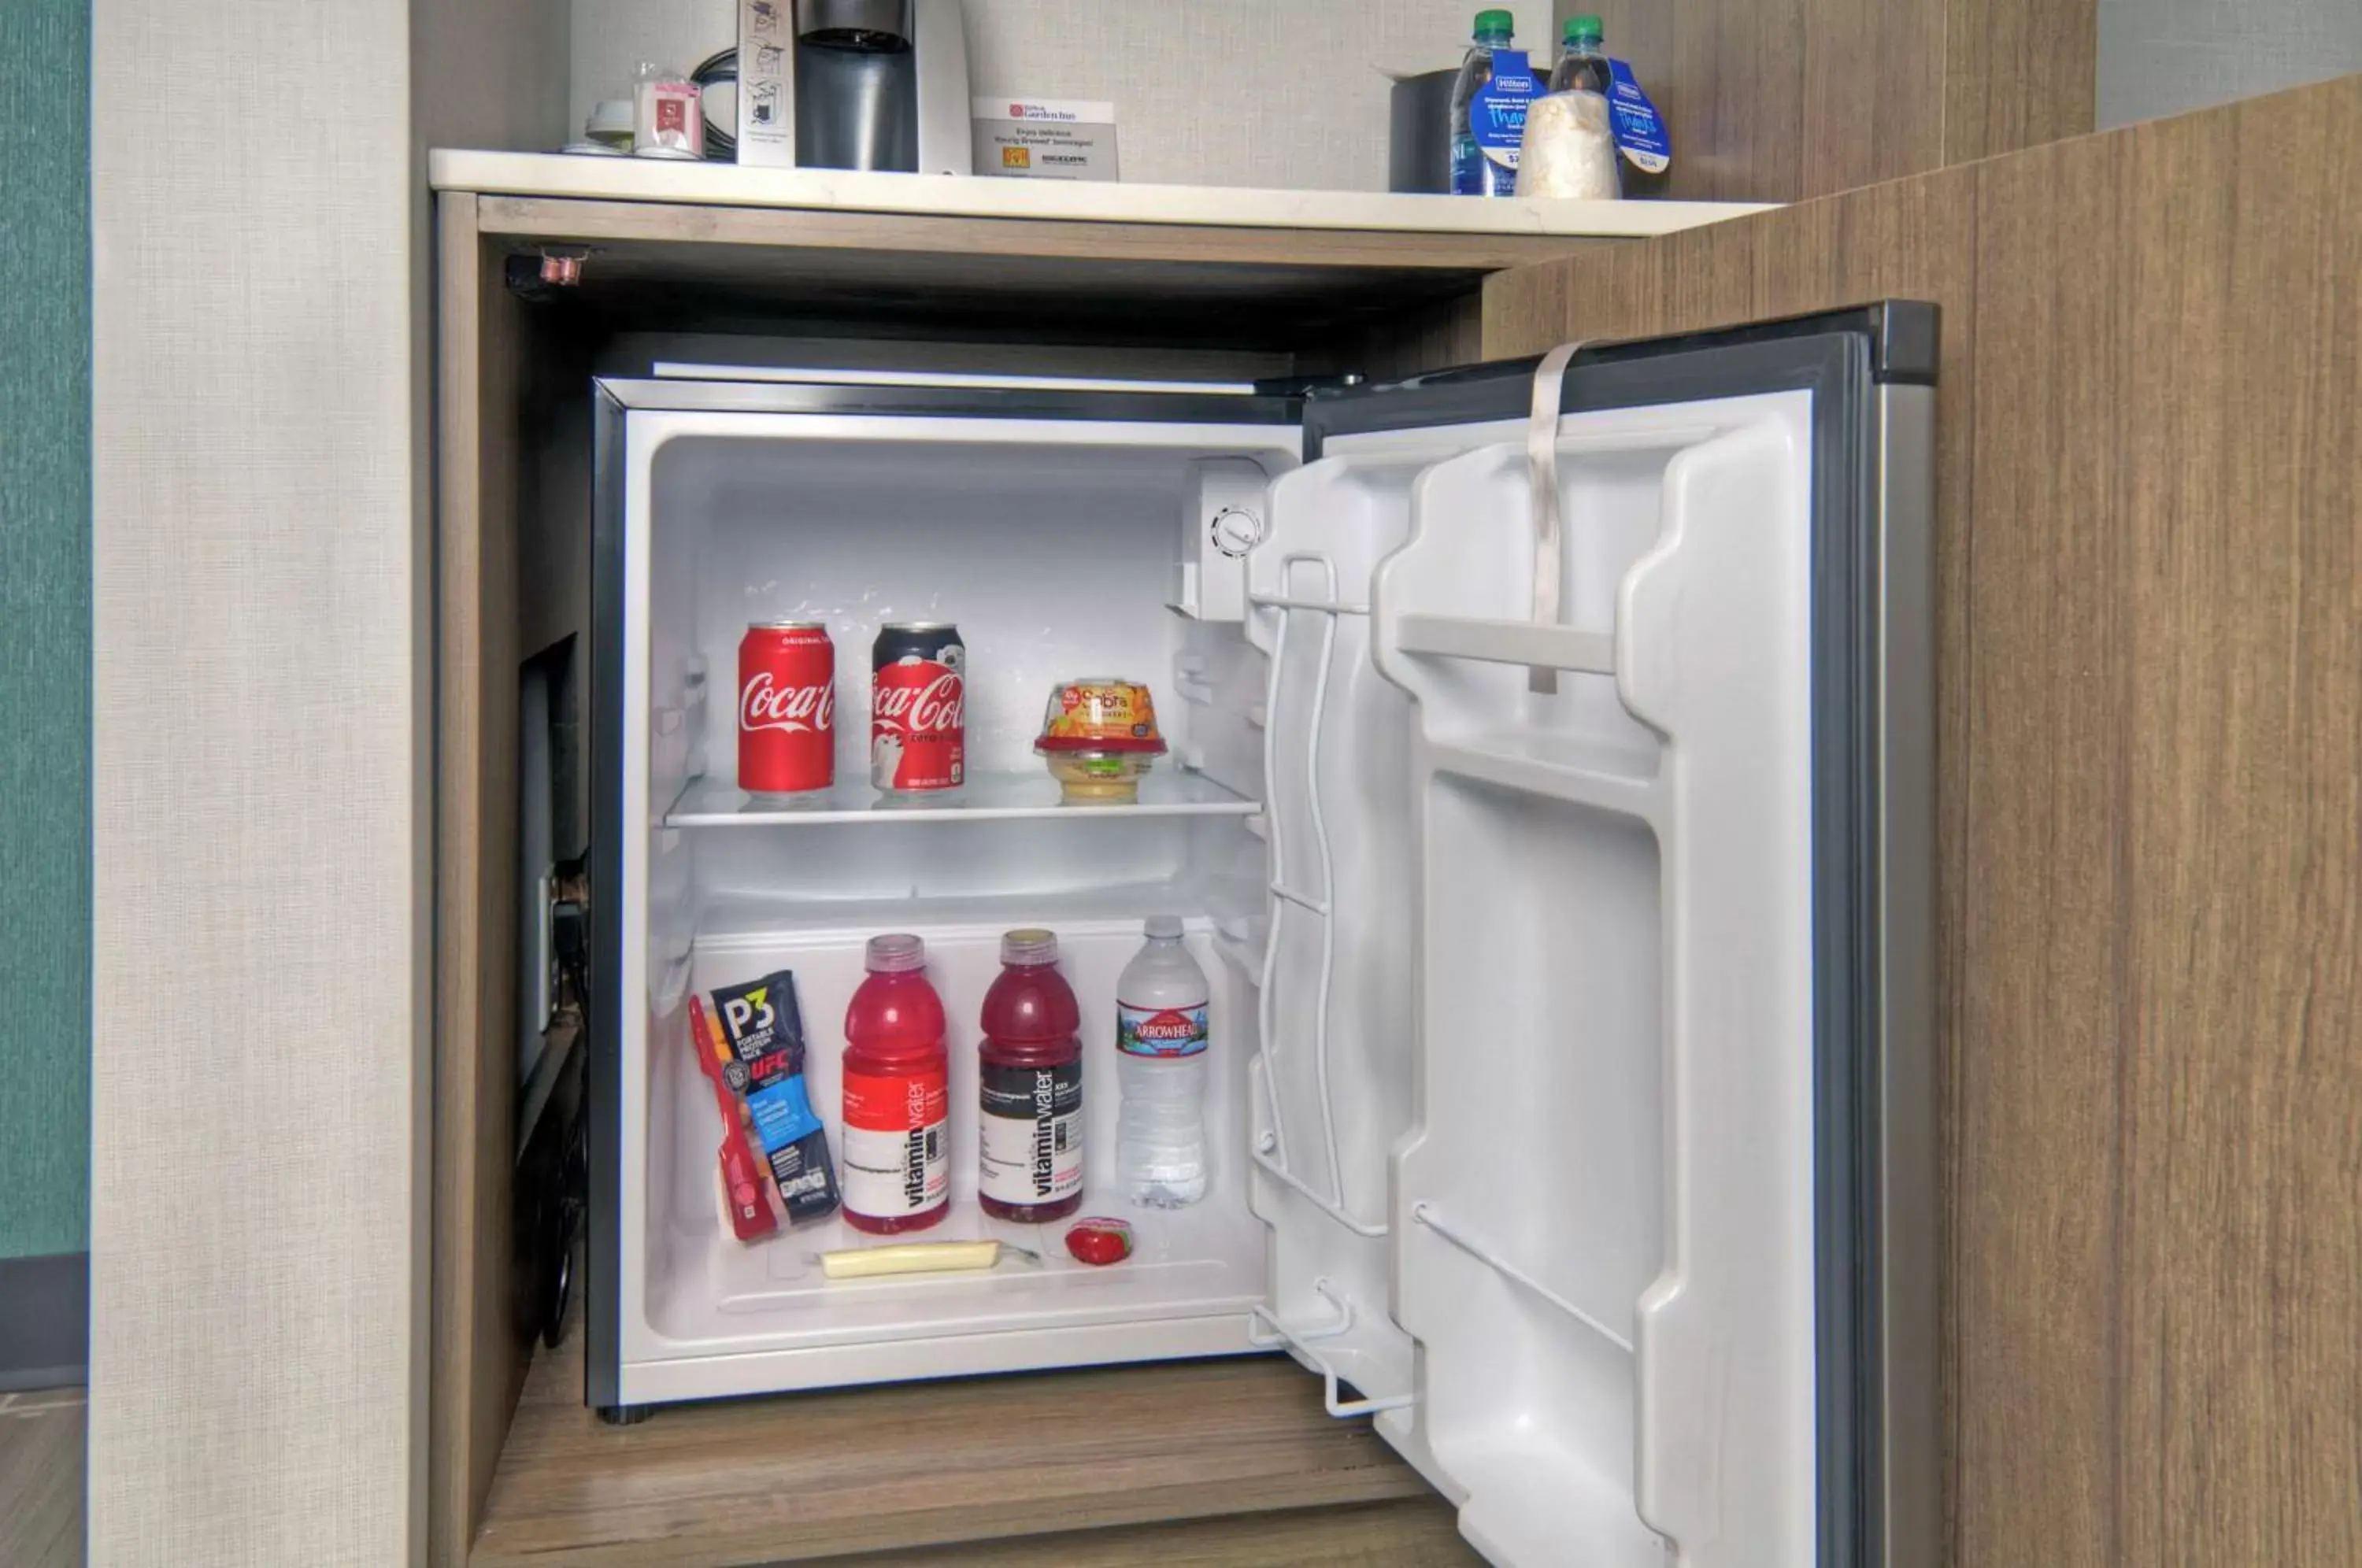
<point>1053,546</point>
<point>1509,919</point>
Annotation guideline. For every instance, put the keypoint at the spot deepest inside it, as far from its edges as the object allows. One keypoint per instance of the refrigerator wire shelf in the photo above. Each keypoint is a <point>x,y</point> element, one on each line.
<point>1265,1153</point>
<point>1270,1150</point>
<point>1328,606</point>
<point>1265,1331</point>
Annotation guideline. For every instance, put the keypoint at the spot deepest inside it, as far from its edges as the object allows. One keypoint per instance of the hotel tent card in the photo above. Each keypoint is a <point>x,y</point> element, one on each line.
<point>1044,138</point>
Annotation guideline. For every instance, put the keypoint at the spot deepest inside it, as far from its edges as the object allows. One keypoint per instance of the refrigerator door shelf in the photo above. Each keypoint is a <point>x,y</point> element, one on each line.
<point>1610,1186</point>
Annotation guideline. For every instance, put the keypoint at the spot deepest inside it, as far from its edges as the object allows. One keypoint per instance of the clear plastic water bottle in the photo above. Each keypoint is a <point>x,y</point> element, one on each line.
<point>1582,58</point>
<point>1473,174</point>
<point>1161,1072</point>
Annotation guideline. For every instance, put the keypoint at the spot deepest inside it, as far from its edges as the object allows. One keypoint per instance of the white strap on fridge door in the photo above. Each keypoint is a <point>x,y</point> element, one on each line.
<point>1541,463</point>
<point>1604,1230</point>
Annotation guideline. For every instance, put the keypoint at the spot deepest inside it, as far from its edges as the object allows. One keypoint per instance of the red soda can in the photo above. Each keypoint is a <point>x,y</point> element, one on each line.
<point>787,708</point>
<point>918,704</point>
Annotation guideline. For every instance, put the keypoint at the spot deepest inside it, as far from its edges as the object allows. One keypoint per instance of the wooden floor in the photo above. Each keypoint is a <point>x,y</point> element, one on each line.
<point>1202,1463</point>
<point>41,1479</point>
<point>705,1485</point>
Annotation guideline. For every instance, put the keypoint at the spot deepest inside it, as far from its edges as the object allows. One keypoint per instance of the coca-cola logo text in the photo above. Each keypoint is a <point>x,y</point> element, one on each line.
<point>933,708</point>
<point>768,705</point>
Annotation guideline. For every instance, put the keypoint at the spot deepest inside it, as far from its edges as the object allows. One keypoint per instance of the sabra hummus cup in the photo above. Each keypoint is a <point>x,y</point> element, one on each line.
<point>1099,737</point>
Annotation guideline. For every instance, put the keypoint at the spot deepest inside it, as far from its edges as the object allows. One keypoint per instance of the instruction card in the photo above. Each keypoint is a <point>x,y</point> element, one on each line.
<point>1044,138</point>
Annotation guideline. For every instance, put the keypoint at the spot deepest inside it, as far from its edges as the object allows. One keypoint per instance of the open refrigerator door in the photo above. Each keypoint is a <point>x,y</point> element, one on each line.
<point>1591,1112</point>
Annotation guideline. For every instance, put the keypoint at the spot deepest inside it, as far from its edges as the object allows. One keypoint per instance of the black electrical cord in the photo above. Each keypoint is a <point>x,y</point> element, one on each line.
<point>721,146</point>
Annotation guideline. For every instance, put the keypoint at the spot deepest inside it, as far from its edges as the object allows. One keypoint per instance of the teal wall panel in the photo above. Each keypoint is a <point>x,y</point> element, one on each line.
<point>44,628</point>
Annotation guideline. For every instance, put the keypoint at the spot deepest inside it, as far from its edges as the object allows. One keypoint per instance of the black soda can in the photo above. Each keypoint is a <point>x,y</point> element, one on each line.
<point>918,707</point>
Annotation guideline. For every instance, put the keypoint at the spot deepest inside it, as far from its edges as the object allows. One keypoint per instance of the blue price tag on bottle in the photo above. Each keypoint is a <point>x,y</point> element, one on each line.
<point>1638,130</point>
<point>1499,113</point>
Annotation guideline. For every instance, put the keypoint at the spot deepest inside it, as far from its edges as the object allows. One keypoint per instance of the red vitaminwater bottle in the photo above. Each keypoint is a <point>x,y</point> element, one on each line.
<point>1032,1085</point>
<point>897,1143</point>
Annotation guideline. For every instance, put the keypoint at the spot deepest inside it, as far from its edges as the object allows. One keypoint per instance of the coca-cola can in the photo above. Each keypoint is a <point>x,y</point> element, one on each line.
<point>787,708</point>
<point>917,705</point>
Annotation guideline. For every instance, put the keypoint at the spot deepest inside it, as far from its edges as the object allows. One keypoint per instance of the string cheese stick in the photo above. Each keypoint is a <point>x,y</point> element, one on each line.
<point>910,1258</point>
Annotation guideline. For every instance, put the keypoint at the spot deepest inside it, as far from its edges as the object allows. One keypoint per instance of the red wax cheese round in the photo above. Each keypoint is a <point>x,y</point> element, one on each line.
<point>1099,1241</point>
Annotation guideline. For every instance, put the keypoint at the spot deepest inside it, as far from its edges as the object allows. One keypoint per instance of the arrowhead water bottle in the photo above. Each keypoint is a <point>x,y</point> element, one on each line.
<point>1161,1072</point>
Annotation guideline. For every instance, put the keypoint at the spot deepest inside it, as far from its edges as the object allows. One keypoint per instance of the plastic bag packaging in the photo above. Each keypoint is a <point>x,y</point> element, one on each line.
<point>753,1035</point>
<point>1570,148</point>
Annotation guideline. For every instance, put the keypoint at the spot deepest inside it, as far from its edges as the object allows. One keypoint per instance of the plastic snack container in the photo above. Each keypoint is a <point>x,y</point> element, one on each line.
<point>1099,737</point>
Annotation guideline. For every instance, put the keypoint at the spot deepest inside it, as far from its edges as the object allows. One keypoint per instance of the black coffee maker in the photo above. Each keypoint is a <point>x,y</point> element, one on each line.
<point>870,84</point>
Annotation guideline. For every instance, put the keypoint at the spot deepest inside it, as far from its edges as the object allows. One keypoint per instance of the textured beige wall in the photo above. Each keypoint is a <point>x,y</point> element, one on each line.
<point>1266,92</point>
<point>259,689</point>
<point>2168,57</point>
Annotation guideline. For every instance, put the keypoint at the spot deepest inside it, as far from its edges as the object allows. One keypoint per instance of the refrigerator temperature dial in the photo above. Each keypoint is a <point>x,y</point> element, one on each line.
<point>1236,531</point>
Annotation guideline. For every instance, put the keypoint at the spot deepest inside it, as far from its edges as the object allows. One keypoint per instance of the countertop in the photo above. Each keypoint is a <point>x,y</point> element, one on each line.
<point>724,184</point>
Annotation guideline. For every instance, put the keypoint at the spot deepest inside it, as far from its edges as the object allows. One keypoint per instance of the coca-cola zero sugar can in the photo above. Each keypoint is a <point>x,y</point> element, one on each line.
<point>787,708</point>
<point>918,702</point>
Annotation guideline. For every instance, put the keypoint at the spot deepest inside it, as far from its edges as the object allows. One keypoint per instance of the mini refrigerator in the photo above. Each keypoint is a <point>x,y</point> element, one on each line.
<point>1548,805</point>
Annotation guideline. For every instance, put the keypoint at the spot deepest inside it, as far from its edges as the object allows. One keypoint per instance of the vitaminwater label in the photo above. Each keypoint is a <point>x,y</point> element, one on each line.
<point>1487,164</point>
<point>1639,131</point>
<point>1032,1132</point>
<point>897,1143</point>
<point>1160,1032</point>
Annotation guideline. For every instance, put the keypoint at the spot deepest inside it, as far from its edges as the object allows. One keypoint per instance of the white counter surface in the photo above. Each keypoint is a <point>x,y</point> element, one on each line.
<point>722,185</point>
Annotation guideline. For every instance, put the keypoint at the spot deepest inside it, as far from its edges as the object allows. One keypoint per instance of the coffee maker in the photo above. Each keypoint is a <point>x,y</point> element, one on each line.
<point>876,84</point>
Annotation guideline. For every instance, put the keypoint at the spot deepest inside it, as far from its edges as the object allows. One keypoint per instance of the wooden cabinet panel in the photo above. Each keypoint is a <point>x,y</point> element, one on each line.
<point>674,265</point>
<point>1781,100</point>
<point>477,1351</point>
<point>2018,73</point>
<point>2041,1019</point>
<point>1252,1459</point>
<point>2239,488</point>
<point>2149,559</point>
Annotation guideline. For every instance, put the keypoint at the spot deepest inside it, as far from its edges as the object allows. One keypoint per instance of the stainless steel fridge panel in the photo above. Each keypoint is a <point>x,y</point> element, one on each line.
<point>1909,1518</point>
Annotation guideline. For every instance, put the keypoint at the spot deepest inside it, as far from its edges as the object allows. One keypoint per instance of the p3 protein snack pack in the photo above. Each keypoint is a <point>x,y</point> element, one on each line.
<point>756,1034</point>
